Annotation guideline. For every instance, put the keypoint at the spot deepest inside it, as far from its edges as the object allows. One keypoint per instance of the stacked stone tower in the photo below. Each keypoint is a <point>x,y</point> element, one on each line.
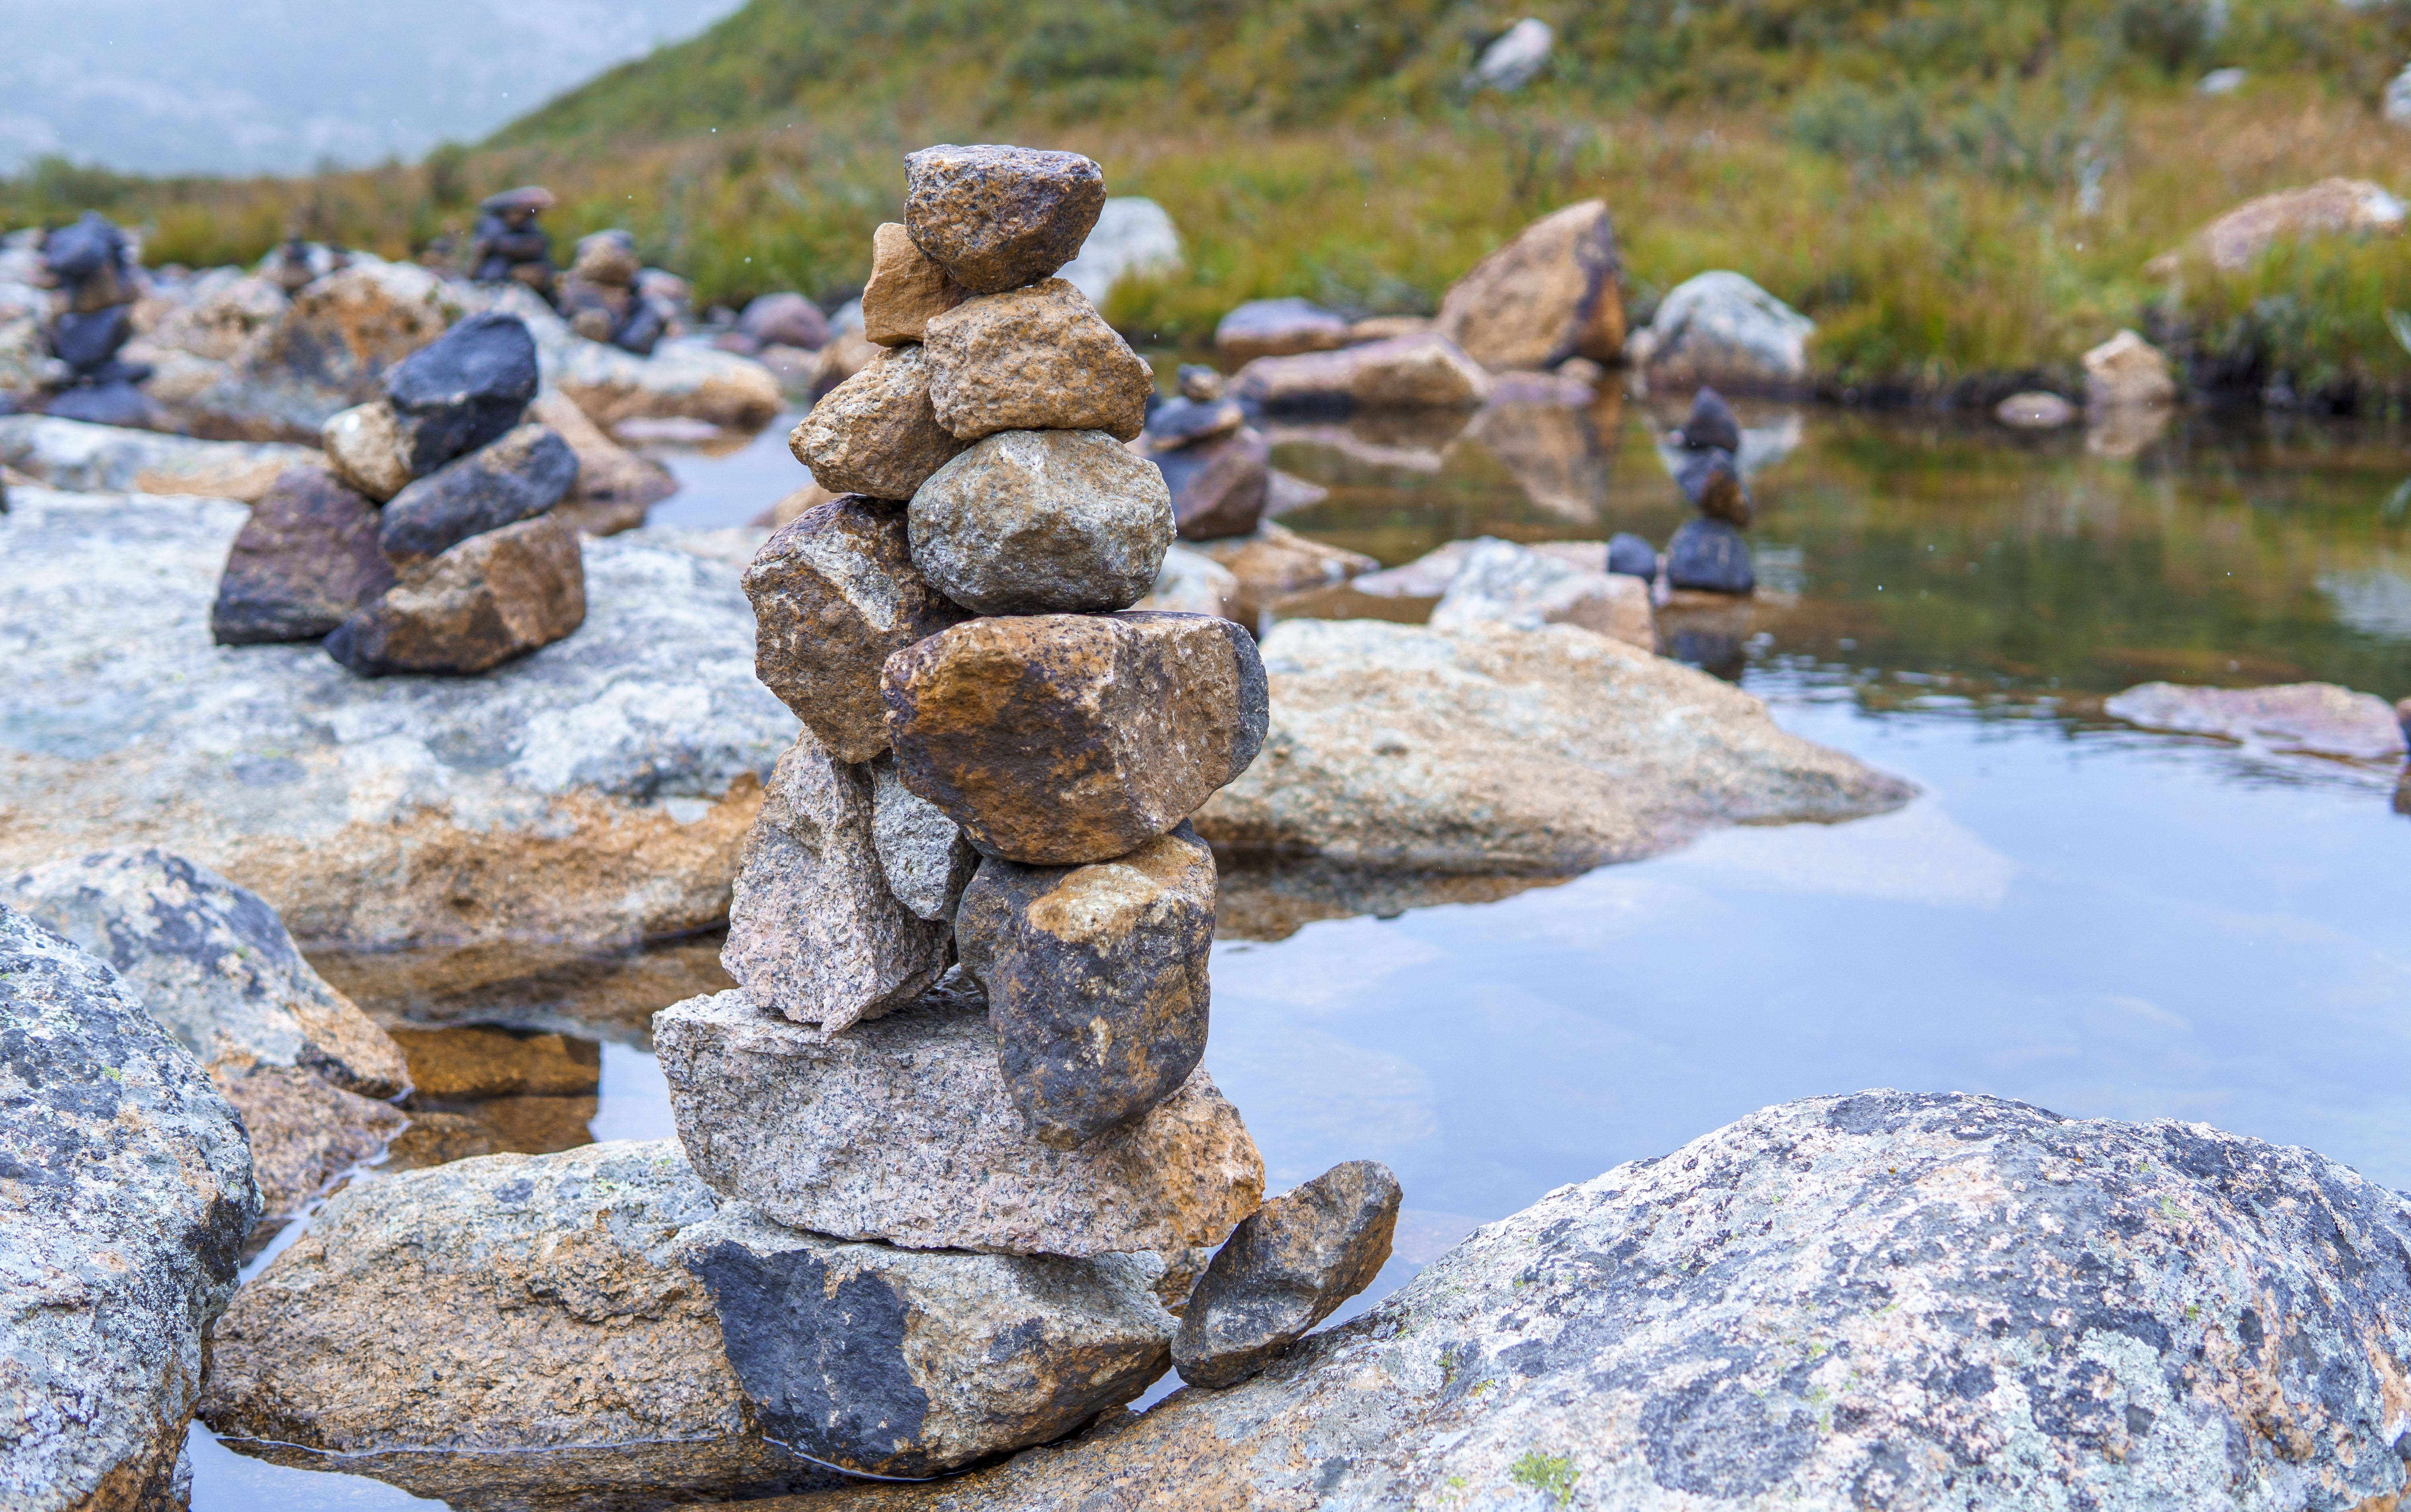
<point>957,1102</point>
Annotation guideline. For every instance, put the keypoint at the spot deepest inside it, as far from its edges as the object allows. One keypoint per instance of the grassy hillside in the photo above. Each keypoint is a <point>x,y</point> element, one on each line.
<point>1957,193</point>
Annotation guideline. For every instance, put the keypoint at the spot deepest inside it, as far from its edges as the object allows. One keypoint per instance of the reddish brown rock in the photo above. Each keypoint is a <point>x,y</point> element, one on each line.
<point>1059,739</point>
<point>997,217</point>
<point>906,288</point>
<point>303,563</point>
<point>490,599</point>
<point>875,433</point>
<point>1551,294</point>
<point>1039,358</point>
<point>835,594</point>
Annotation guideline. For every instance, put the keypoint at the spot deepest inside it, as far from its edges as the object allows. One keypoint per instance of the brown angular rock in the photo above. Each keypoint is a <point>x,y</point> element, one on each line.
<point>1096,981</point>
<point>813,930</point>
<point>1218,488</point>
<point>368,450</point>
<point>835,594</point>
<point>1042,522</point>
<point>615,487</point>
<point>875,433</point>
<point>490,599</point>
<point>1039,358</point>
<point>305,1133</point>
<point>1286,1269</point>
<point>1549,294</point>
<point>1059,739</point>
<point>997,217</point>
<point>306,559</point>
<point>906,288</point>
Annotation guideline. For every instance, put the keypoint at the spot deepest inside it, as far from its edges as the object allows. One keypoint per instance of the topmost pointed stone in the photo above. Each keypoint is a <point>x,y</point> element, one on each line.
<point>996,218</point>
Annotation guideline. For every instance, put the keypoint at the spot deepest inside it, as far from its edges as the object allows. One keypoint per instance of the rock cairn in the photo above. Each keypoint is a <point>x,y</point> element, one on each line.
<point>429,543</point>
<point>972,925</point>
<point>1709,555</point>
<point>92,267</point>
<point>509,245</point>
<point>603,299</point>
<point>1218,467</point>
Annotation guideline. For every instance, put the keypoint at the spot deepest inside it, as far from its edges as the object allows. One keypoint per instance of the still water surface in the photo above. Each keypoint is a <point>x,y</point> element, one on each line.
<point>2104,921</point>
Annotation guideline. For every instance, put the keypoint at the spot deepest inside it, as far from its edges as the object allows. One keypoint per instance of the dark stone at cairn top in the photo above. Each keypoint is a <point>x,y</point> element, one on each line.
<point>463,390</point>
<point>1711,425</point>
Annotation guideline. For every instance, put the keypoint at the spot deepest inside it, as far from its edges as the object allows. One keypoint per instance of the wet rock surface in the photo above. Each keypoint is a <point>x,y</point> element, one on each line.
<point>905,290</point>
<point>997,217</point>
<point>909,1362</point>
<point>901,1129</point>
<point>1042,522</point>
<point>1059,739</point>
<point>522,475</point>
<point>1485,749</point>
<point>875,433</point>
<point>109,458</point>
<point>835,594</point>
<point>1285,1268</point>
<point>1218,486</point>
<point>461,391</point>
<point>305,562</point>
<point>491,599</point>
<point>555,1352</point>
<point>1956,1300</point>
<point>129,1193</point>
<point>814,931</point>
<point>1096,981</point>
<point>1550,294</point>
<point>1039,358</point>
<point>593,793</point>
<point>2315,717</point>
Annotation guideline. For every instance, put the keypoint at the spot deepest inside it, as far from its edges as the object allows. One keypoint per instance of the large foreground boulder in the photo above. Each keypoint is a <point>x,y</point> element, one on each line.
<point>128,1191</point>
<point>1491,750</point>
<point>97,458</point>
<point>596,790</point>
<point>1890,1300</point>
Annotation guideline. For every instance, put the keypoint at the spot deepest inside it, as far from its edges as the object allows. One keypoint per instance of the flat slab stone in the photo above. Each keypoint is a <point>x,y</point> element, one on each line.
<point>901,1129</point>
<point>2318,718</point>
<point>595,791</point>
<point>97,458</point>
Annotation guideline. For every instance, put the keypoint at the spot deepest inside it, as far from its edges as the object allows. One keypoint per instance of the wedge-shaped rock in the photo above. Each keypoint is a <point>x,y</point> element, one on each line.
<point>521,476</point>
<point>368,450</point>
<point>814,931</point>
<point>902,1130</point>
<point>922,853</point>
<point>305,562</point>
<point>461,391</point>
<point>835,594</point>
<point>490,599</point>
<point>1549,294</point>
<point>509,1332</point>
<point>1218,486</point>
<point>1059,739</point>
<point>1096,981</point>
<point>1039,358</point>
<point>875,433</point>
<point>1287,1268</point>
<point>1042,522</point>
<point>997,217</point>
<point>906,288</point>
<point>907,1363</point>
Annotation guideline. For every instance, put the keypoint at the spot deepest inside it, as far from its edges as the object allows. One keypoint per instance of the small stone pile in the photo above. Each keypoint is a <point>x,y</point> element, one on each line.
<point>1218,467</point>
<point>961,1199</point>
<point>509,245</point>
<point>92,267</point>
<point>604,298</point>
<point>1709,555</point>
<point>428,543</point>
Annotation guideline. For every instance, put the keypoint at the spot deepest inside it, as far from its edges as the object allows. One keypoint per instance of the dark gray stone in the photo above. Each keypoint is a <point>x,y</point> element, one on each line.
<point>1712,484</point>
<point>115,403</point>
<point>1711,425</point>
<point>1218,488</point>
<point>1284,1270</point>
<point>462,389</point>
<point>304,562</point>
<point>84,249</point>
<point>1179,421</point>
<point>85,342</point>
<point>517,478</point>
<point>1632,555</point>
<point>997,217</point>
<point>1709,556</point>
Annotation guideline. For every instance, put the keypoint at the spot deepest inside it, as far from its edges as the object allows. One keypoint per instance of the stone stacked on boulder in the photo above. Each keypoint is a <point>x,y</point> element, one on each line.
<point>93,267</point>
<point>603,300</point>
<point>972,925</point>
<point>1708,555</point>
<point>509,245</point>
<point>430,546</point>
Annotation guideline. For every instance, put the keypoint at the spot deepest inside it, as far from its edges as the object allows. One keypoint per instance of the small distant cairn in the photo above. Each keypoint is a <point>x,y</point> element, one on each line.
<point>607,299</point>
<point>93,267</point>
<point>997,769</point>
<point>509,245</point>
<point>1710,555</point>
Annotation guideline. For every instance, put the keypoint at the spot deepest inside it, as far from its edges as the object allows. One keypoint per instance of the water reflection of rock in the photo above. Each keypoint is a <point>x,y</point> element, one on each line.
<point>610,995</point>
<point>1270,897</point>
<point>1769,433</point>
<point>1561,454</point>
<point>484,1090</point>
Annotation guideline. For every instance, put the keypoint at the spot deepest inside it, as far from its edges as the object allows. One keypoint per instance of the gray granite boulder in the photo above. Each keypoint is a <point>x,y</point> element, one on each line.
<point>1031,522</point>
<point>1889,1299</point>
<point>129,1194</point>
<point>924,855</point>
<point>98,459</point>
<point>909,1362</point>
<point>1284,1270</point>
<point>596,792</point>
<point>997,217</point>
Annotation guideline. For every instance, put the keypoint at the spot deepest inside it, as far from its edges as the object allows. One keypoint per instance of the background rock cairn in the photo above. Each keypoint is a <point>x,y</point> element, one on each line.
<point>428,543</point>
<point>93,269</point>
<point>1709,554</point>
<point>997,769</point>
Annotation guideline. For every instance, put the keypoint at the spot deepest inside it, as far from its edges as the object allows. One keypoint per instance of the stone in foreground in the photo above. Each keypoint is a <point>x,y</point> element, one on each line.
<point>129,1191</point>
<point>1487,750</point>
<point>366,447</point>
<point>1551,294</point>
<point>1032,523</point>
<point>903,1362</point>
<point>875,433</point>
<point>2315,717</point>
<point>493,597</point>
<point>1709,556</point>
<point>517,478</point>
<point>813,930</point>
<point>508,1332</point>
<point>1059,739</point>
<point>1287,1268</point>
<point>1039,358</point>
<point>835,594</point>
<point>901,1129</point>
<point>997,217</point>
<point>461,391</point>
<point>1218,488</point>
<point>922,853</point>
<point>306,560</point>
<point>906,288</point>
<point>1950,1300</point>
<point>1096,981</point>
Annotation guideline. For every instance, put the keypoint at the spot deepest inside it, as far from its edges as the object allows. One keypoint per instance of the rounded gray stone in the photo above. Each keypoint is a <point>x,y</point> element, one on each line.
<point>1042,522</point>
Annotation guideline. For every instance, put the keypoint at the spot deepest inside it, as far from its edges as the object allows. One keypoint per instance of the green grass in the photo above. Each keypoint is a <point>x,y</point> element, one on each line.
<point>1960,195</point>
